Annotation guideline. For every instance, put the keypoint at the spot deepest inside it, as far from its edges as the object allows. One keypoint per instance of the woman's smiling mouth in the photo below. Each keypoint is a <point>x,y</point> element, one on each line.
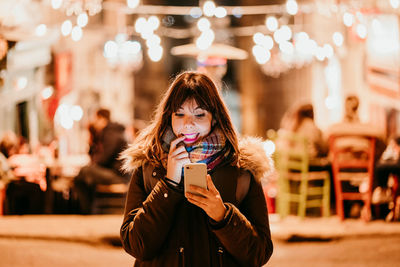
<point>190,138</point>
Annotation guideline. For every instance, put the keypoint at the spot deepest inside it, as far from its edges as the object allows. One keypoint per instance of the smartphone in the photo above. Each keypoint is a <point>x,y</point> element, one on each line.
<point>195,174</point>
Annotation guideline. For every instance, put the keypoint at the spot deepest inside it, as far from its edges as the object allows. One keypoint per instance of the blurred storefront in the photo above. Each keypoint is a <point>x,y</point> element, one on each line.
<point>25,56</point>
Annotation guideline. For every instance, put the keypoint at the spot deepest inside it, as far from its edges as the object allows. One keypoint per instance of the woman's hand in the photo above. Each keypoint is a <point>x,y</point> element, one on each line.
<point>208,200</point>
<point>177,157</point>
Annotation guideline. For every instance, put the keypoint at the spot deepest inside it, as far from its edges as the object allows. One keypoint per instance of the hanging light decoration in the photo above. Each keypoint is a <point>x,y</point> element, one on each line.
<point>76,33</point>
<point>338,39</point>
<point>272,23</point>
<point>66,27</point>
<point>209,8</point>
<point>82,19</point>
<point>291,7</point>
<point>220,12</point>
<point>125,53</point>
<point>348,19</point>
<point>132,3</point>
<point>76,7</point>
<point>395,3</point>
<point>361,31</point>
<point>41,30</point>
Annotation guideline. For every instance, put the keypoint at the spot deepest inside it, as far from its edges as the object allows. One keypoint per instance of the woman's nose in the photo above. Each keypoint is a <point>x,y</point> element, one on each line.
<point>188,122</point>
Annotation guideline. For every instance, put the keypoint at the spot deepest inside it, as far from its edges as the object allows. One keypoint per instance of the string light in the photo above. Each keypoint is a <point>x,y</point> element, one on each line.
<point>155,53</point>
<point>209,8</point>
<point>21,83</point>
<point>41,30</point>
<point>291,7</point>
<point>281,34</point>
<point>272,23</point>
<point>66,27</point>
<point>320,53</point>
<point>257,37</point>
<point>132,3</point>
<point>220,12</point>
<point>110,49</point>
<point>76,33</point>
<point>140,24</point>
<point>337,38</point>
<point>395,3</point>
<point>82,20</point>
<point>56,4</point>
<point>348,19</point>
<point>361,31</point>
<point>286,47</point>
<point>203,24</point>
<point>261,54</point>
<point>47,92</point>
<point>154,40</point>
<point>153,22</point>
<point>328,50</point>
<point>196,12</point>
<point>76,113</point>
<point>237,12</point>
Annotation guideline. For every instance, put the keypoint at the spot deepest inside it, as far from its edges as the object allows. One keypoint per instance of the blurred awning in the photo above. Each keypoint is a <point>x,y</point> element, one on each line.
<point>215,50</point>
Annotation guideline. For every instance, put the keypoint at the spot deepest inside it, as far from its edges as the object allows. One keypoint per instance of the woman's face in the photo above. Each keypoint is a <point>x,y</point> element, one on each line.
<point>191,121</point>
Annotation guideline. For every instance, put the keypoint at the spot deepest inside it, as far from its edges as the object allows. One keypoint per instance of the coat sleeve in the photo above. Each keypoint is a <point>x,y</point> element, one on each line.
<point>147,217</point>
<point>246,234</point>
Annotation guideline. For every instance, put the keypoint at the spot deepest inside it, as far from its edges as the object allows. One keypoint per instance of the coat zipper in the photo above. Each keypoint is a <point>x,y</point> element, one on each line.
<point>220,256</point>
<point>182,255</point>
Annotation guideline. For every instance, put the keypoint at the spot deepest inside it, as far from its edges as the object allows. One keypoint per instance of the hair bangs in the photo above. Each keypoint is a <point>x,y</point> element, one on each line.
<point>184,93</point>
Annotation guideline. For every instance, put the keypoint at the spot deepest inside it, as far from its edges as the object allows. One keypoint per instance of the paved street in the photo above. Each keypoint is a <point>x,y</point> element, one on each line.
<point>362,251</point>
<point>76,240</point>
<point>19,252</point>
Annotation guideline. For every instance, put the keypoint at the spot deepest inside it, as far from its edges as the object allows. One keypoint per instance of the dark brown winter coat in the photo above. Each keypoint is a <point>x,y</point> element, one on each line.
<point>161,228</point>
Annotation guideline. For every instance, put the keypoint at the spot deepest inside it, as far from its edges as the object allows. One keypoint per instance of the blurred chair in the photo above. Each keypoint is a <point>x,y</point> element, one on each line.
<point>109,199</point>
<point>296,184</point>
<point>353,171</point>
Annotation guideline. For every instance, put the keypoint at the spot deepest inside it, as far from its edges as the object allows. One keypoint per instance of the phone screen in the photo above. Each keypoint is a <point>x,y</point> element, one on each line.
<point>195,174</point>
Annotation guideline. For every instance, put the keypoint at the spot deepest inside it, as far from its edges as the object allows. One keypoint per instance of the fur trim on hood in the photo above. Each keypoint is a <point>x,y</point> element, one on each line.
<point>252,157</point>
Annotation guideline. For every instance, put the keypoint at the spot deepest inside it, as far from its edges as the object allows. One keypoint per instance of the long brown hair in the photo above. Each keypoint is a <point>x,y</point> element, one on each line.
<point>187,85</point>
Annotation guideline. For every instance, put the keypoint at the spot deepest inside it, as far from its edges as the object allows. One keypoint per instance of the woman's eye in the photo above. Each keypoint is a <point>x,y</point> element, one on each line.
<point>178,114</point>
<point>200,115</point>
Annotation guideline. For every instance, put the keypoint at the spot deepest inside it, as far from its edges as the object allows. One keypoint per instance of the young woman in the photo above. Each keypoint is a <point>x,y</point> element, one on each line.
<point>225,225</point>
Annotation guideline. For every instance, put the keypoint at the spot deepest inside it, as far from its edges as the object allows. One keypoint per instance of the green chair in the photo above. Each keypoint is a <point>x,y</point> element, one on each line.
<point>296,184</point>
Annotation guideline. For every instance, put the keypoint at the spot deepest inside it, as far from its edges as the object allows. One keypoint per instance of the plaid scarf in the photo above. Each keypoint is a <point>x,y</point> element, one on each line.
<point>208,150</point>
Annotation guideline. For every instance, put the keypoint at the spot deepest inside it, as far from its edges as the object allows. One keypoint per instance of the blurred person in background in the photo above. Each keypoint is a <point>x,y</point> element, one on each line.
<point>24,177</point>
<point>354,130</point>
<point>9,144</point>
<point>300,120</point>
<point>106,143</point>
<point>94,140</point>
<point>223,225</point>
<point>351,125</point>
<point>351,109</point>
<point>8,147</point>
<point>388,164</point>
